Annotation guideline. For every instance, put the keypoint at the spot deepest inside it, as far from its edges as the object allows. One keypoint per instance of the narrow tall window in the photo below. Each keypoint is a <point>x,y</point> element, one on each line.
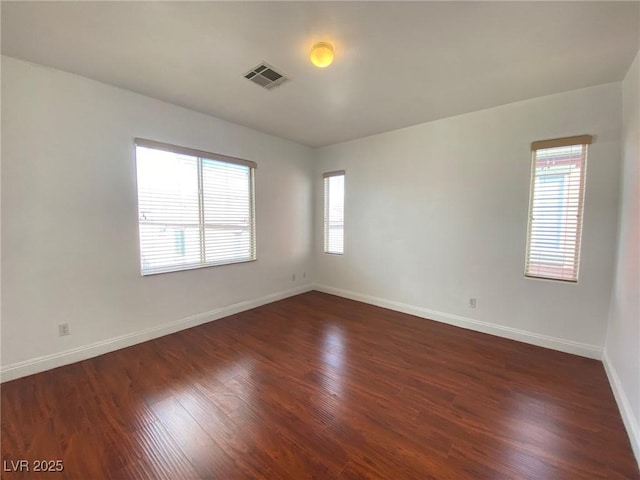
<point>195,209</point>
<point>334,212</point>
<point>555,208</point>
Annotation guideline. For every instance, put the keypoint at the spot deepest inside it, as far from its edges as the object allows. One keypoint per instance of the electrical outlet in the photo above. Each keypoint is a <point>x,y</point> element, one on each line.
<point>63,329</point>
<point>472,302</point>
<point>304,274</point>
<point>293,277</point>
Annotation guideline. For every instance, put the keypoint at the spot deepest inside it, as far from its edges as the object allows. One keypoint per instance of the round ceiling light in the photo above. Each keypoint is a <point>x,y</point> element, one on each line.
<point>322,54</point>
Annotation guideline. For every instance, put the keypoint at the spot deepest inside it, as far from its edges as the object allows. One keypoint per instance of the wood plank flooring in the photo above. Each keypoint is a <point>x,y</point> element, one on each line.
<point>316,386</point>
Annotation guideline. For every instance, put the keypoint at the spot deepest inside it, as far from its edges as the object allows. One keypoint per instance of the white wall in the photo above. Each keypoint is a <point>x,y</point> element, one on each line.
<point>69,213</point>
<point>437,213</point>
<point>622,349</point>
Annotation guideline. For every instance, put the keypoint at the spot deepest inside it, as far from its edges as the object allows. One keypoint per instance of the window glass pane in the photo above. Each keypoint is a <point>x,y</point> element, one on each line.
<point>192,211</point>
<point>228,212</point>
<point>167,210</point>
<point>555,220</point>
<point>167,187</point>
<point>334,214</point>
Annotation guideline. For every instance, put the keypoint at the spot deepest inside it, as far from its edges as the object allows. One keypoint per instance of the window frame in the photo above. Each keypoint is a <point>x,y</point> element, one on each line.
<point>201,156</point>
<point>582,141</point>
<point>326,179</point>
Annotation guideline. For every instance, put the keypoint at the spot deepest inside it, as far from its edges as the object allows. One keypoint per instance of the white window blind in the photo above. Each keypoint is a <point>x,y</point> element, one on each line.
<point>555,208</point>
<point>195,209</point>
<point>334,212</point>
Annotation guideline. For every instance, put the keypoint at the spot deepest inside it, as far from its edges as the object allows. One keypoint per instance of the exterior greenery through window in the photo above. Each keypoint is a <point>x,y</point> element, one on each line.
<point>555,209</point>
<point>195,209</point>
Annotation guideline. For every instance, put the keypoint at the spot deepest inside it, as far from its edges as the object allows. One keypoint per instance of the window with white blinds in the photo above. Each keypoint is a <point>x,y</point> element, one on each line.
<point>195,209</point>
<point>334,212</point>
<point>555,208</point>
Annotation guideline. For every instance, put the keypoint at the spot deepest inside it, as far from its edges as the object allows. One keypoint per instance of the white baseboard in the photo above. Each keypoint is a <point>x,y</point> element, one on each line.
<point>568,346</point>
<point>47,362</point>
<point>629,419</point>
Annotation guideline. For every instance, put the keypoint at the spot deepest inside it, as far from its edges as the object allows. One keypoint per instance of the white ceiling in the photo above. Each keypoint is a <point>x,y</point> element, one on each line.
<point>397,64</point>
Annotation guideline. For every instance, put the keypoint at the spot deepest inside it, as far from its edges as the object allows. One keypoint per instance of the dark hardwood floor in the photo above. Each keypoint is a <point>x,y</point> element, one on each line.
<point>317,386</point>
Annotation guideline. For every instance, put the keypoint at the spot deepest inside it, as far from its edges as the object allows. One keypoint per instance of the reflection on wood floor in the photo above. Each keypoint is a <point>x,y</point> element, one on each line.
<point>316,386</point>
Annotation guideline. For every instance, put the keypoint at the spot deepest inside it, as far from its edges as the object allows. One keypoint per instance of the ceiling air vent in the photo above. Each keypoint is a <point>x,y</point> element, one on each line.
<point>265,76</point>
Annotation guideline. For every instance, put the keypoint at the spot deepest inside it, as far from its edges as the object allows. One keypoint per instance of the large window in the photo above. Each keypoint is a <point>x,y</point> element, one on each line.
<point>195,209</point>
<point>555,208</point>
<point>334,212</point>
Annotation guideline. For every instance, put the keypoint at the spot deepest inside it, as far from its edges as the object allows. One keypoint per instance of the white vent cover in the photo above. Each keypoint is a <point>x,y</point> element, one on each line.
<point>265,76</point>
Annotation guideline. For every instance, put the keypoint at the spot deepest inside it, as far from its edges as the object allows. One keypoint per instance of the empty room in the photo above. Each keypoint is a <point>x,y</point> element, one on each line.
<point>320,240</point>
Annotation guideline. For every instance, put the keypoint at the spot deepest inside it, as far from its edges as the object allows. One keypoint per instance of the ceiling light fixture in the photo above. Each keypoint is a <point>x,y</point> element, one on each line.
<point>321,54</point>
